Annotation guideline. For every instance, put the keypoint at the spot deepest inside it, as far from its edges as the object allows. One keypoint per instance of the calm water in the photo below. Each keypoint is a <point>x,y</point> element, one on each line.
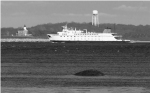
<point>42,65</point>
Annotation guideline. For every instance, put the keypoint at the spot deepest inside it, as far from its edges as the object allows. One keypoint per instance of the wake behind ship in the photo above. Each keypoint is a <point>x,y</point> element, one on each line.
<point>73,35</point>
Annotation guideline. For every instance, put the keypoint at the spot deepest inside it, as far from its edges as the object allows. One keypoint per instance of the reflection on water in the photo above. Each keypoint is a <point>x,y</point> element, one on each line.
<point>77,90</point>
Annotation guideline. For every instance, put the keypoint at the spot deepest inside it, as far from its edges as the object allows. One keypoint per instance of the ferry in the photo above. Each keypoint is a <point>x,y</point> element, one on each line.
<point>73,35</point>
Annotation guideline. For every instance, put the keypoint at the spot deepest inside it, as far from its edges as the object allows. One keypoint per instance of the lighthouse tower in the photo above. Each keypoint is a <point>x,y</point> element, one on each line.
<point>95,20</point>
<point>25,30</point>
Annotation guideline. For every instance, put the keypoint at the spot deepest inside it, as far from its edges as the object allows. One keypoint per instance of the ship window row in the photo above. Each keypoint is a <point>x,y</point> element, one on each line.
<point>86,34</point>
<point>83,36</point>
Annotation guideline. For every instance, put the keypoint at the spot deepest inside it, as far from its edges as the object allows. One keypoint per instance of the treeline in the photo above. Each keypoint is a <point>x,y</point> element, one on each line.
<point>139,32</point>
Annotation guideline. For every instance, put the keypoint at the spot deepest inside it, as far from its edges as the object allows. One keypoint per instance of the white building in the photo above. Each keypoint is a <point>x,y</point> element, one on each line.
<point>23,32</point>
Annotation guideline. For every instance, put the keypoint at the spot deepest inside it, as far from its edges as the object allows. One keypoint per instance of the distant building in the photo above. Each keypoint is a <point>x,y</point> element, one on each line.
<point>23,32</point>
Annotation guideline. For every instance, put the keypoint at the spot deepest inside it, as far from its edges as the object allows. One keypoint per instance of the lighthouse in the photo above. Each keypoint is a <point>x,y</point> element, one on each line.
<point>25,30</point>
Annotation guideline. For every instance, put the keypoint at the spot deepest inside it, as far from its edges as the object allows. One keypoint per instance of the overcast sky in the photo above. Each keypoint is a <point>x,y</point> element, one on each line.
<point>32,13</point>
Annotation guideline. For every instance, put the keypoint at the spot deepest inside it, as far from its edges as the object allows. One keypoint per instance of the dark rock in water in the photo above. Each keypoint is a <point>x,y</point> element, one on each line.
<point>90,72</point>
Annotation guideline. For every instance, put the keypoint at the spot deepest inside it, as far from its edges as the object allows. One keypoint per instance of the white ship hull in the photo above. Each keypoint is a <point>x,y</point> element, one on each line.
<point>53,37</point>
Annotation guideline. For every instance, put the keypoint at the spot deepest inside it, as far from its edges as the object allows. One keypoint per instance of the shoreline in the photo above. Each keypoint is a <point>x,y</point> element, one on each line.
<point>47,40</point>
<point>24,40</point>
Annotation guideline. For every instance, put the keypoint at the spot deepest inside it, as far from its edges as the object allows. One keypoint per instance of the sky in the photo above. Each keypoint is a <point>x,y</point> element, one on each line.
<point>31,13</point>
